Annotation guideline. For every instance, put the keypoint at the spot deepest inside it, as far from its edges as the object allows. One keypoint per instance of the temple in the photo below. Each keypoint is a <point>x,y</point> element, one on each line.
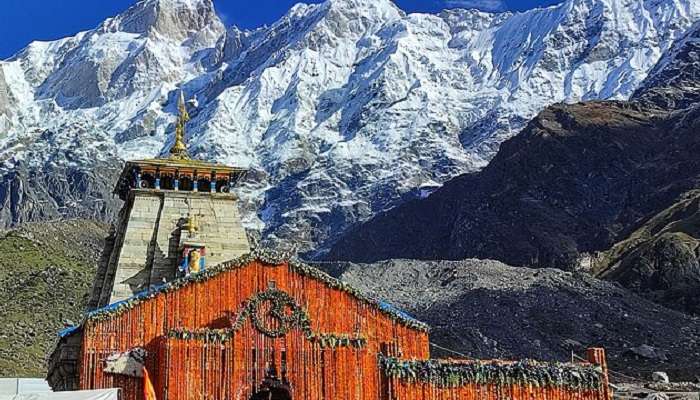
<point>179,214</point>
<point>182,309</point>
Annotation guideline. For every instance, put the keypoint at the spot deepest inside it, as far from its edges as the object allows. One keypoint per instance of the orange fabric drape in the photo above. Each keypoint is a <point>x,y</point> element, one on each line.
<point>149,393</point>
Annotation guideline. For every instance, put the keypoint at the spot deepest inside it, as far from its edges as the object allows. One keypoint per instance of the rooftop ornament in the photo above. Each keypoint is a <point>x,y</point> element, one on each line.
<point>178,171</point>
<point>179,149</point>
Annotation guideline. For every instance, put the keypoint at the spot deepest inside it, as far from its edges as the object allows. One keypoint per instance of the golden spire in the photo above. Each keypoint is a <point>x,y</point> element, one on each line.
<point>179,149</point>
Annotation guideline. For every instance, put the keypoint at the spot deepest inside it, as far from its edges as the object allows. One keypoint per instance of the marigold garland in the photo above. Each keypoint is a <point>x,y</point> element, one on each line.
<point>526,372</point>
<point>268,257</point>
<point>272,336</point>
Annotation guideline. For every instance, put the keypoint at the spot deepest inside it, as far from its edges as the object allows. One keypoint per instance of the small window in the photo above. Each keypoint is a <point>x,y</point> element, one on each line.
<point>186,183</point>
<point>204,185</point>
<point>167,182</point>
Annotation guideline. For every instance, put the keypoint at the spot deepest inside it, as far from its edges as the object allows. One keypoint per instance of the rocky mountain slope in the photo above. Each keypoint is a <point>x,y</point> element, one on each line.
<point>609,186</point>
<point>46,271</point>
<point>674,83</point>
<point>487,309</point>
<point>341,109</point>
<point>661,259</point>
<point>577,179</point>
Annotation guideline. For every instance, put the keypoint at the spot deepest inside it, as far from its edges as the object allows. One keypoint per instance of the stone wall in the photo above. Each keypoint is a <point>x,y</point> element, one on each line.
<point>63,364</point>
<point>146,243</point>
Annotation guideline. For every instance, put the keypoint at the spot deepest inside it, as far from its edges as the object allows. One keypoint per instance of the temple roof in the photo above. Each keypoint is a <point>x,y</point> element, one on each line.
<point>265,256</point>
<point>178,159</point>
<point>184,164</point>
<point>170,165</point>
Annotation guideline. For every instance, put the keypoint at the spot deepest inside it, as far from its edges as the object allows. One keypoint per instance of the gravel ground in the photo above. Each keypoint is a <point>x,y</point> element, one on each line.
<point>487,309</point>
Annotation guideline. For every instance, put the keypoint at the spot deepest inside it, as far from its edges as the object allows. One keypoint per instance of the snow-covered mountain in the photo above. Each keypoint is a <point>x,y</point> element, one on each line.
<point>674,83</point>
<point>340,109</point>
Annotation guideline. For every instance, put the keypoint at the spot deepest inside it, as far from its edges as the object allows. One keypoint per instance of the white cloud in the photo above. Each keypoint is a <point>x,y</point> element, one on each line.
<point>484,5</point>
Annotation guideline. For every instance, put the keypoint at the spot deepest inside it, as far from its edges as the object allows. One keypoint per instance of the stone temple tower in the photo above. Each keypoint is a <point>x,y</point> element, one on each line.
<point>178,217</point>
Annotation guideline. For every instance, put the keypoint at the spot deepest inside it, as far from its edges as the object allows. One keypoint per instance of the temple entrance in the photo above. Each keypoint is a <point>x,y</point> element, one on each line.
<point>272,394</point>
<point>273,389</point>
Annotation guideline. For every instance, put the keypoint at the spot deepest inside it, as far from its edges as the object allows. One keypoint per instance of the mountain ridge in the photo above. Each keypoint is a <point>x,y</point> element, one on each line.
<point>341,110</point>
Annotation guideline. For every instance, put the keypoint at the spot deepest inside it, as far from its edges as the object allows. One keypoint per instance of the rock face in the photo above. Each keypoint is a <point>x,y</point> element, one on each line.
<point>674,83</point>
<point>342,109</point>
<point>487,309</point>
<point>59,174</point>
<point>130,55</point>
<point>576,180</point>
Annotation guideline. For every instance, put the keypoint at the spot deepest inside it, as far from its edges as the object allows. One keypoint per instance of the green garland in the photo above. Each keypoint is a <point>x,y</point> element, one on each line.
<point>280,300</point>
<point>325,340</point>
<point>204,334</point>
<point>454,374</point>
<point>268,257</point>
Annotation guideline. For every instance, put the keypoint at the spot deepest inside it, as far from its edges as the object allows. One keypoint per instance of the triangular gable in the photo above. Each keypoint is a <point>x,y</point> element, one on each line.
<point>265,257</point>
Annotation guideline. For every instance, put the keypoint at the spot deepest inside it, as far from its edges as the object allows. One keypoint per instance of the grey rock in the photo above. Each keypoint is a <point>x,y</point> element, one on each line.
<point>660,376</point>
<point>649,352</point>
<point>657,396</point>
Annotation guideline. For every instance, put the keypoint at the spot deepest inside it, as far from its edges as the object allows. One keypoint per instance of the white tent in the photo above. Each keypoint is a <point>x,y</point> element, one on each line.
<point>109,394</point>
<point>13,386</point>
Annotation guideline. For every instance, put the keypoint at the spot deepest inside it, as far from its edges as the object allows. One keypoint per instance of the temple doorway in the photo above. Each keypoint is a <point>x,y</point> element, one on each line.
<point>272,394</point>
<point>273,389</point>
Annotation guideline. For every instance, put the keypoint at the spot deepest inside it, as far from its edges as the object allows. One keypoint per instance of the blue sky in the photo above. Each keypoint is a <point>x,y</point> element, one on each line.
<point>22,21</point>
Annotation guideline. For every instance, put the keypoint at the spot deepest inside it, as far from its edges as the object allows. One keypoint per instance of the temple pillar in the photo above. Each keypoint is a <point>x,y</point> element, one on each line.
<point>596,356</point>
<point>156,183</point>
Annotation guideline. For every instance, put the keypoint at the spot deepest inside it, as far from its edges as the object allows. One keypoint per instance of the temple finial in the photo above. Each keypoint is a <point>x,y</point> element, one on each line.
<point>179,149</point>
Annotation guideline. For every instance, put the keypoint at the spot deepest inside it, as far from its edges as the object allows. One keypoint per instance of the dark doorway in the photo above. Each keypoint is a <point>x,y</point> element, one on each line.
<point>272,394</point>
<point>273,389</point>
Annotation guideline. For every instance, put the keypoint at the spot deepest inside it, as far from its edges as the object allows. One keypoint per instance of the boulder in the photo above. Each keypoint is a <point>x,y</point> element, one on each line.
<point>660,377</point>
<point>649,352</point>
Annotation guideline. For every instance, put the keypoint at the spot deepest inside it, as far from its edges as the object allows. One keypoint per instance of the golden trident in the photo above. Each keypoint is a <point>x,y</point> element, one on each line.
<point>179,149</point>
